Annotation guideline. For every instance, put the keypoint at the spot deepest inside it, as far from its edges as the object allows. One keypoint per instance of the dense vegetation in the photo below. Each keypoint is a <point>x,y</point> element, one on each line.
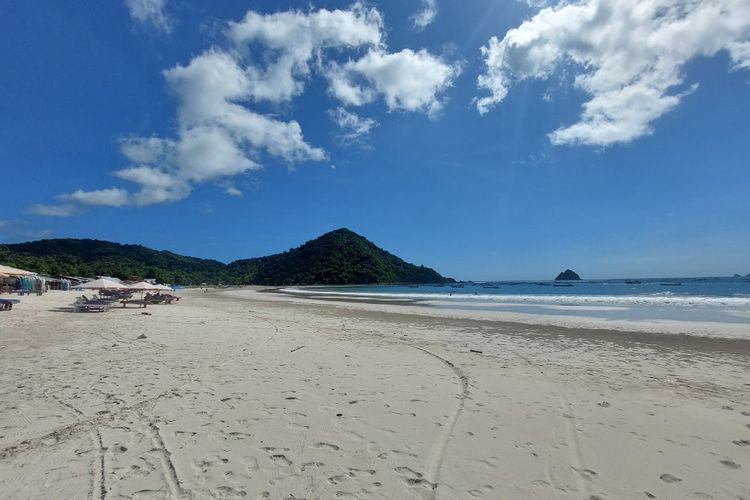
<point>338,257</point>
<point>73,257</point>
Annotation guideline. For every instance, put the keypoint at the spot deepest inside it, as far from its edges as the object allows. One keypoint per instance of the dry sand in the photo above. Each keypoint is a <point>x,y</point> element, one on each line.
<point>249,395</point>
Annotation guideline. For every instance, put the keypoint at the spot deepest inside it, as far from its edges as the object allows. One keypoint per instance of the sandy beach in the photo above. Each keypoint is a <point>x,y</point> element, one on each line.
<point>242,394</point>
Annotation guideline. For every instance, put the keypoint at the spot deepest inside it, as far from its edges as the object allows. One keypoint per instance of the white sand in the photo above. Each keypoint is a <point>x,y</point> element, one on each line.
<point>250,395</point>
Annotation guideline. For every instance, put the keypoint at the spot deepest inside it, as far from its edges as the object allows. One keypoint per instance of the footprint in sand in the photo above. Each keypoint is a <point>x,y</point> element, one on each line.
<point>271,449</point>
<point>311,465</point>
<point>353,472</point>
<point>413,478</point>
<point>228,492</point>
<point>384,455</point>
<point>280,460</point>
<point>208,462</point>
<point>327,446</point>
<point>669,478</point>
<point>478,492</point>
<point>251,463</point>
<point>729,464</point>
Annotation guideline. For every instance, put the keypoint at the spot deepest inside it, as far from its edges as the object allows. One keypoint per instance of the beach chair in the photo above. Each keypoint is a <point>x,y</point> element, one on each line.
<point>83,304</point>
<point>7,304</point>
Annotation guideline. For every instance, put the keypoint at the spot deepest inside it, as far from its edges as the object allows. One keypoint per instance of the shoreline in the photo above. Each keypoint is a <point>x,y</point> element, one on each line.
<point>720,330</point>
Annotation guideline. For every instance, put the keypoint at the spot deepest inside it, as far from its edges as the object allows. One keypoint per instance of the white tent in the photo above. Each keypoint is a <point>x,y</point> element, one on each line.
<point>103,284</point>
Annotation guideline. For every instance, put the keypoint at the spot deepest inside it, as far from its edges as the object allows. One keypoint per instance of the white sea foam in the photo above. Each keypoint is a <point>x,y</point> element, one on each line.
<point>662,299</point>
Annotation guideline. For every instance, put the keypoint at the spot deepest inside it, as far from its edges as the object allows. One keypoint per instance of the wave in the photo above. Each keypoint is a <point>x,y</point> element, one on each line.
<point>659,299</point>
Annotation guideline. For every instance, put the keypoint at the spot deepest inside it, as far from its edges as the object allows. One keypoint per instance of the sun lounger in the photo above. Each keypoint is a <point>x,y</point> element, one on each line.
<point>138,302</point>
<point>83,304</point>
<point>7,304</point>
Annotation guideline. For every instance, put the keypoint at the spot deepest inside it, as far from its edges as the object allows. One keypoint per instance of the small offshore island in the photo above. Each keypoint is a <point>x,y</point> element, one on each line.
<point>234,393</point>
<point>568,275</point>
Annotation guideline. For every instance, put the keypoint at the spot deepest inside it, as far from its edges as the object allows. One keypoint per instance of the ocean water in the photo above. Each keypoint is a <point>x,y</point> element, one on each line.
<point>687,299</point>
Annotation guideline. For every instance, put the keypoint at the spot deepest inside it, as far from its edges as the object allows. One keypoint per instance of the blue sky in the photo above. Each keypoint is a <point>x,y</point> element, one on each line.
<point>487,139</point>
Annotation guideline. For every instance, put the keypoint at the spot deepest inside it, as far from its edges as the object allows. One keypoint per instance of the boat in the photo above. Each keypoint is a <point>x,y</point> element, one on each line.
<point>490,286</point>
<point>562,284</point>
<point>632,282</point>
<point>671,283</point>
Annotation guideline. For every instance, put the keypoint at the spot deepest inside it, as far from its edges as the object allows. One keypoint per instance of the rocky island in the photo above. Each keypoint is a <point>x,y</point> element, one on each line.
<point>567,275</point>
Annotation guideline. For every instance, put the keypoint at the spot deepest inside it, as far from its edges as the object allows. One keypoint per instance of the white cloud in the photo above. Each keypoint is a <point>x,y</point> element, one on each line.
<point>352,127</point>
<point>295,38</point>
<point>407,80</point>
<point>220,132</point>
<point>150,12</point>
<point>628,56</point>
<point>232,190</point>
<point>426,16</point>
<point>112,197</point>
<point>61,210</point>
<point>157,185</point>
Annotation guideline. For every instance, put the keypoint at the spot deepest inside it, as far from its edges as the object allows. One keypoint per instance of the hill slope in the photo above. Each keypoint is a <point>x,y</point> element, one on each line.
<point>339,257</point>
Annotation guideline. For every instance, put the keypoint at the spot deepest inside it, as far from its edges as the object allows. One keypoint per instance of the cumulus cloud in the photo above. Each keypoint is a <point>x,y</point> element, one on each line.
<point>628,57</point>
<point>268,59</point>
<point>150,12</point>
<point>352,127</point>
<point>426,16</point>
<point>296,38</point>
<point>406,80</point>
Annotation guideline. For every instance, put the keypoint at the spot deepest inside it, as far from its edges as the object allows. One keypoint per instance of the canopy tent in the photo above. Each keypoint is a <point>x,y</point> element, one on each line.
<point>103,284</point>
<point>12,271</point>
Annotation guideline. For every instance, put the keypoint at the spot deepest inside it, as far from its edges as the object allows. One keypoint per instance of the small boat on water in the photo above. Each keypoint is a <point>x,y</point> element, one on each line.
<point>671,283</point>
<point>632,282</point>
<point>562,284</point>
<point>457,286</point>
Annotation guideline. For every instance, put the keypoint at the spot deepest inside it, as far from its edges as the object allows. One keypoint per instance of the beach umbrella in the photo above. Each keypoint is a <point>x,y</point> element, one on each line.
<point>143,285</point>
<point>12,271</point>
<point>103,284</point>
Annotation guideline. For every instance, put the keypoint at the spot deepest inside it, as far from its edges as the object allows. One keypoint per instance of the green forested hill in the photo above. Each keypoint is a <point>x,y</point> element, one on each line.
<point>73,257</point>
<point>338,257</point>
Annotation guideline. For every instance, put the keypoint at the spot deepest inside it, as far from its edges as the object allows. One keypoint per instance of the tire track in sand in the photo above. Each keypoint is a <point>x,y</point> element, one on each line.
<point>98,486</point>
<point>440,446</point>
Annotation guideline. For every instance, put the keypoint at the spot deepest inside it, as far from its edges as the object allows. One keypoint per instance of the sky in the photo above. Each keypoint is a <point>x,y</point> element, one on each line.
<point>491,139</point>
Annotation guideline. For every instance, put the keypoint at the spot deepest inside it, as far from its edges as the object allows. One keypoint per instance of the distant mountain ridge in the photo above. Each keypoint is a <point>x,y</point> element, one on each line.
<point>340,257</point>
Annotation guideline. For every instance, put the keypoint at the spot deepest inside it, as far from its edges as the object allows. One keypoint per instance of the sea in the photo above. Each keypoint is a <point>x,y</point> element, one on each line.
<point>717,299</point>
